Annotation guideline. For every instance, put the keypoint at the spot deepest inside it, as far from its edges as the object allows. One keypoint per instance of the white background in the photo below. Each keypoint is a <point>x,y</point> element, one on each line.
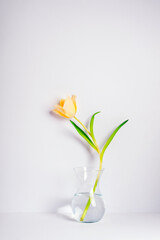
<point>108,54</point>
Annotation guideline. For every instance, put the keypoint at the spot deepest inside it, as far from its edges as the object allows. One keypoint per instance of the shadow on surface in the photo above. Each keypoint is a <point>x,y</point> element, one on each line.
<point>63,209</point>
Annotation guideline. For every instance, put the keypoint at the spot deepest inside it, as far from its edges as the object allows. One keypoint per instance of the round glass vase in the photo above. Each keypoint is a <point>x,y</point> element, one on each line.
<point>87,203</point>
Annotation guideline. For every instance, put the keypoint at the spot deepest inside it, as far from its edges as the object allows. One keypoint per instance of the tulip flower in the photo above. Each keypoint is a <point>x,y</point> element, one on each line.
<point>67,108</point>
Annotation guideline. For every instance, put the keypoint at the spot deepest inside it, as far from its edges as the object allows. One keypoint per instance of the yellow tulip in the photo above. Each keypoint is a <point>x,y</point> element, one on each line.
<point>67,107</point>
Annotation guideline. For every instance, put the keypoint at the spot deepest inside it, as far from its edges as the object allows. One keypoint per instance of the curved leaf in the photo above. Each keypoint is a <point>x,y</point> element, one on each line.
<point>91,125</point>
<point>83,134</point>
<point>110,138</point>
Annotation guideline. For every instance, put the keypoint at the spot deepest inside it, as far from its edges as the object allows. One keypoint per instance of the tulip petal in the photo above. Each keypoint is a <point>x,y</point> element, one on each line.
<point>62,102</point>
<point>74,102</point>
<point>69,107</point>
<point>61,110</point>
<point>60,113</point>
<point>58,107</point>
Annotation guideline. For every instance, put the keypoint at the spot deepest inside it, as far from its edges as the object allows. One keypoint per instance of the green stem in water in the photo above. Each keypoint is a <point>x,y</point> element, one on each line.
<point>94,189</point>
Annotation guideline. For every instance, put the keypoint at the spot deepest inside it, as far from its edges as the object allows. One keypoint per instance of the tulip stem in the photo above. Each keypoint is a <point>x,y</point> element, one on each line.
<point>82,125</point>
<point>99,171</point>
<point>94,140</point>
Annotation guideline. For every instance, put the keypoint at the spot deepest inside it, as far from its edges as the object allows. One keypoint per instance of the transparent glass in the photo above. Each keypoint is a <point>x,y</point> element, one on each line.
<point>87,178</point>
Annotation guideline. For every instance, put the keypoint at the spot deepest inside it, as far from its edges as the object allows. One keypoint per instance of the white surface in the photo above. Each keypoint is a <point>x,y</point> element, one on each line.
<point>108,54</point>
<point>49,226</point>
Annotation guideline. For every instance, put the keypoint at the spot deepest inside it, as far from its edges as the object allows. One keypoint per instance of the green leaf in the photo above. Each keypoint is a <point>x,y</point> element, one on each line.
<point>83,134</point>
<point>91,125</point>
<point>110,138</point>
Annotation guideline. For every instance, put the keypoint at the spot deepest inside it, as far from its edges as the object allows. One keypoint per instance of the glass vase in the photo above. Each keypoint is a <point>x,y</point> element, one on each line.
<point>87,203</point>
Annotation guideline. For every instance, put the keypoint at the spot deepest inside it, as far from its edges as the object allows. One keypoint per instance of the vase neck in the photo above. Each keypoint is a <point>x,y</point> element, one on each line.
<point>87,178</point>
